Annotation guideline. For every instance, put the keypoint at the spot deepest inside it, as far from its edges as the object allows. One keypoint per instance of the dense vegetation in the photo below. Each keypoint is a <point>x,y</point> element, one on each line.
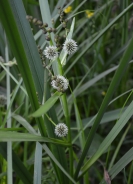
<point>66,100</point>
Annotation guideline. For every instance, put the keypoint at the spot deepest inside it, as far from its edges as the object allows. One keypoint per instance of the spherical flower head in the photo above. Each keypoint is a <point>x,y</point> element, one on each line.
<point>3,100</point>
<point>69,46</point>
<point>61,130</point>
<point>60,83</point>
<point>51,52</point>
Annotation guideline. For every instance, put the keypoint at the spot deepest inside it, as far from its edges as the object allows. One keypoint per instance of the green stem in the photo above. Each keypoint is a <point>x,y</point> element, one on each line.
<point>67,118</point>
<point>130,173</point>
<point>26,143</point>
<point>50,119</point>
<point>118,147</point>
<point>0,116</point>
<point>60,67</point>
<point>9,143</point>
<point>107,158</point>
<point>123,137</point>
<point>80,127</point>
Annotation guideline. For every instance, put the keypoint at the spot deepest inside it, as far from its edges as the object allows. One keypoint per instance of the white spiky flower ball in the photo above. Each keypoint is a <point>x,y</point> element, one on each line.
<point>70,46</point>
<point>61,130</point>
<point>51,52</point>
<point>59,83</point>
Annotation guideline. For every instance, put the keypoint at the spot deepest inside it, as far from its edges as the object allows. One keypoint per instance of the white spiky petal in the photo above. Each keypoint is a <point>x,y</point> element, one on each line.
<point>51,52</point>
<point>70,46</point>
<point>61,130</point>
<point>60,83</point>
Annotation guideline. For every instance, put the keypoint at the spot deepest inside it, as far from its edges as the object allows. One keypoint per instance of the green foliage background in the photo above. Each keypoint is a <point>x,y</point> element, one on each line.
<point>97,108</point>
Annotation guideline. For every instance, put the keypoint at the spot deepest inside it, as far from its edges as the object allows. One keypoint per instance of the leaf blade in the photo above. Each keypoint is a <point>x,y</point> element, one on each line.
<point>47,105</point>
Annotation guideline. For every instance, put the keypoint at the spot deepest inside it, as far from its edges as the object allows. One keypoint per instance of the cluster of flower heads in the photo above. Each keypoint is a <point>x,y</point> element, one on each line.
<point>61,130</point>
<point>59,83</point>
<point>70,46</point>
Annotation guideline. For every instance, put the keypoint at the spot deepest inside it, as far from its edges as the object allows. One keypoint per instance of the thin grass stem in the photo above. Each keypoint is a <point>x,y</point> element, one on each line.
<point>9,143</point>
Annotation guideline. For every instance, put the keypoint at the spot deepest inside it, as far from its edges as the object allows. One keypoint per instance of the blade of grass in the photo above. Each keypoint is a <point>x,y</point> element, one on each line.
<point>13,18</point>
<point>9,143</point>
<point>114,83</point>
<point>91,82</point>
<point>108,116</point>
<point>33,58</point>
<point>24,123</point>
<point>65,104</point>
<point>57,150</point>
<point>46,17</point>
<point>110,137</point>
<point>7,115</point>
<point>82,136</point>
<point>130,173</point>
<point>98,36</point>
<point>58,164</point>
<point>15,136</point>
<point>118,147</point>
<point>2,75</point>
<point>47,105</point>
<point>121,164</point>
<point>12,129</point>
<point>126,159</point>
<point>13,78</point>
<point>38,164</point>
<point>88,85</point>
<point>18,166</point>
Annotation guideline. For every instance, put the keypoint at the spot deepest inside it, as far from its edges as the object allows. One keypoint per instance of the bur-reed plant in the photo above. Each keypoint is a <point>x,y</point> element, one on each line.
<point>59,65</point>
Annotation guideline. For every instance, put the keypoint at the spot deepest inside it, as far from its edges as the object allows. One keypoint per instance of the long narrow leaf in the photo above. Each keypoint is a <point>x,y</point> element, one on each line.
<point>47,105</point>
<point>111,136</point>
<point>58,164</point>
<point>24,123</point>
<point>115,81</point>
<point>14,136</point>
<point>18,166</point>
<point>121,164</point>
<point>13,18</point>
<point>58,151</point>
<point>98,36</point>
<point>38,164</point>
